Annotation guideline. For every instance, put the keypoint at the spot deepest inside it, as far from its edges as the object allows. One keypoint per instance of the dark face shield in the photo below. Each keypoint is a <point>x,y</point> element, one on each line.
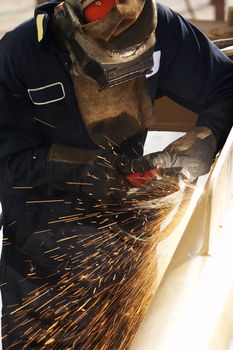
<point>114,50</point>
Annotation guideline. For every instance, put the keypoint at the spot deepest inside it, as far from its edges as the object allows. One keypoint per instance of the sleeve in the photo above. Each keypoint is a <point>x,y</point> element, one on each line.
<point>23,156</point>
<point>195,73</point>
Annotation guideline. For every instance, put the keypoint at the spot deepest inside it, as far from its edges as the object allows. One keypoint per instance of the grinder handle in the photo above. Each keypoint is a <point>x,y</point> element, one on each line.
<point>139,181</point>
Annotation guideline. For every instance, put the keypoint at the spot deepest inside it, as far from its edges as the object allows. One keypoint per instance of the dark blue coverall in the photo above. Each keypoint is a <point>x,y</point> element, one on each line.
<point>38,108</point>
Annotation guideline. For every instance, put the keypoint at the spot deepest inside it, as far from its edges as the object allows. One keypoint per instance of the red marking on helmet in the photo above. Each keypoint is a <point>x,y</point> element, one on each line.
<point>98,9</point>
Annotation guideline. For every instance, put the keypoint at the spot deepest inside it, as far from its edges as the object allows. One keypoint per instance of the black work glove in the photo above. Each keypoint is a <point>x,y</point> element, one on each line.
<point>94,172</point>
<point>192,155</point>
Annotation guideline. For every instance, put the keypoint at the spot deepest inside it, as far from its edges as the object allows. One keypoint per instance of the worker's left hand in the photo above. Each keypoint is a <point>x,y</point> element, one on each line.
<point>91,171</point>
<point>192,155</point>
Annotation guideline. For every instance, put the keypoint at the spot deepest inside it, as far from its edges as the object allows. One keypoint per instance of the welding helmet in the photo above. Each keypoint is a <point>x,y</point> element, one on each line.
<point>109,41</point>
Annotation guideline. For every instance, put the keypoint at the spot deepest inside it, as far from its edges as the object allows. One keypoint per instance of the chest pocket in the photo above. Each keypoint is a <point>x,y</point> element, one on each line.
<point>56,116</point>
<point>51,112</point>
<point>47,95</point>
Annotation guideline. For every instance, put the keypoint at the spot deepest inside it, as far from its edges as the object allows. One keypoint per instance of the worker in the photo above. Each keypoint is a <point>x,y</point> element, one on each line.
<point>77,88</point>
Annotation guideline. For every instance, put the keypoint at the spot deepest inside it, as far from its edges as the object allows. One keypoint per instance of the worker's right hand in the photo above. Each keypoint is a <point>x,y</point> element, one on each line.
<point>94,172</point>
<point>190,156</point>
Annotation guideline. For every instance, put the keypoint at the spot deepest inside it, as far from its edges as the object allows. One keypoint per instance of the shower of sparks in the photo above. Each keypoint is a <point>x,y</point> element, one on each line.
<point>43,122</point>
<point>45,201</point>
<point>22,187</point>
<point>93,289</point>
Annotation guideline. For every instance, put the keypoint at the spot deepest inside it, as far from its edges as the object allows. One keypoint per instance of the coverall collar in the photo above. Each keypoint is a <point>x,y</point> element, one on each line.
<point>42,17</point>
